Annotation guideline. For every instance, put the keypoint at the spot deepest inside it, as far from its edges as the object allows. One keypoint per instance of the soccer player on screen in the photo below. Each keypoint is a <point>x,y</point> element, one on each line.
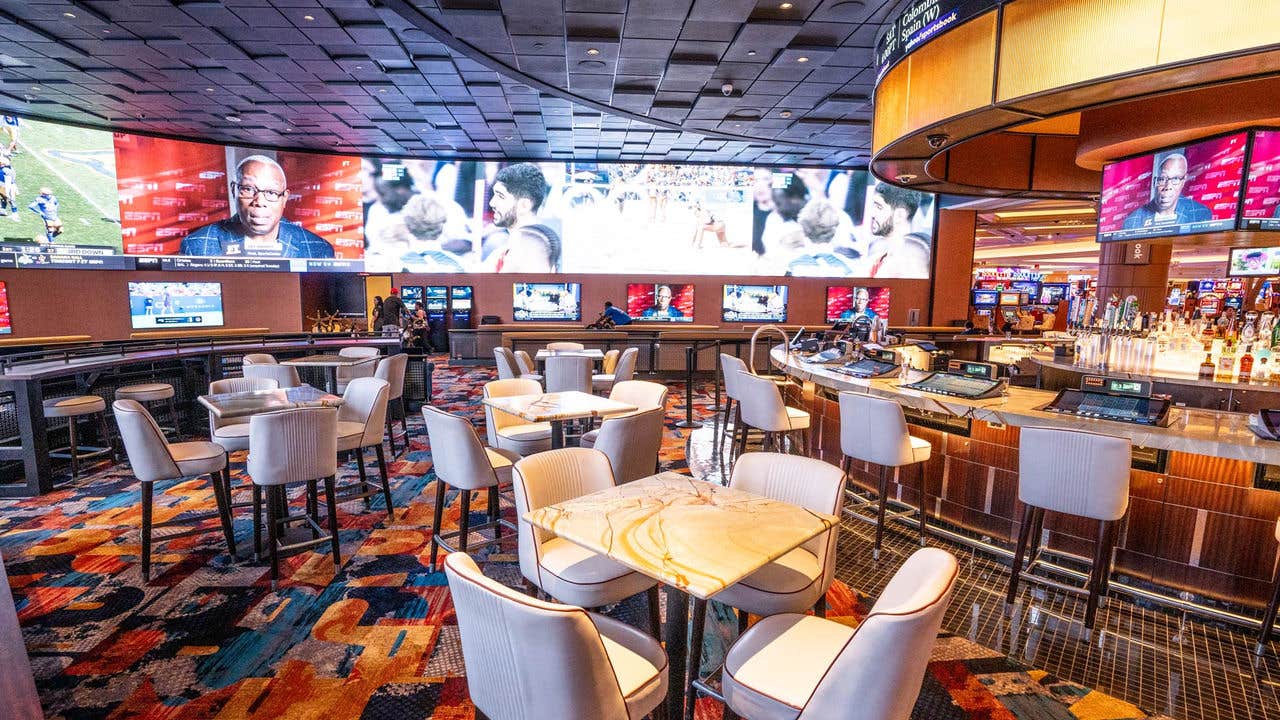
<point>258,229</point>
<point>46,206</point>
<point>1167,206</point>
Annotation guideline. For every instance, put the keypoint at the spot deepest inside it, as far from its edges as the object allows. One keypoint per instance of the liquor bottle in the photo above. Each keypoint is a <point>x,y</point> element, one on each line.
<point>1227,360</point>
<point>1246,363</point>
<point>1261,371</point>
<point>1207,368</point>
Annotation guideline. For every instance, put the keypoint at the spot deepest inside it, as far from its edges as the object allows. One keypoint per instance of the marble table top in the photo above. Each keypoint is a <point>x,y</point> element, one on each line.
<point>690,534</point>
<point>543,407</point>
<point>244,404</point>
<point>1201,432</point>
<point>593,353</point>
<point>330,361</point>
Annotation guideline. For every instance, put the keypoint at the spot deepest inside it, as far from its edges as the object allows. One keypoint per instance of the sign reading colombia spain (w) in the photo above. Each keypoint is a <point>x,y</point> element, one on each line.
<point>920,22</point>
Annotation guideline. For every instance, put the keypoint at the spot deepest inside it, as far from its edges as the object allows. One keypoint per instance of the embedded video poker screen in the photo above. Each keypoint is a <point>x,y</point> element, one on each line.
<point>175,305</point>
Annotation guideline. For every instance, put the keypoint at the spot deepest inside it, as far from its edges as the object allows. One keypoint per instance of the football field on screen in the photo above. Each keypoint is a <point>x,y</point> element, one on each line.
<point>79,166</point>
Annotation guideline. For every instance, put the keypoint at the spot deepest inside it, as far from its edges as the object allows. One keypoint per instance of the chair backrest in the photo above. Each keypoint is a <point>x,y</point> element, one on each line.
<point>566,346</point>
<point>507,364</point>
<point>144,442</point>
<point>392,370</point>
<point>359,351</point>
<point>240,384</point>
<point>1074,472</point>
<point>632,442</point>
<point>547,478</point>
<point>524,363</point>
<point>878,673</point>
<point>641,393</point>
<point>495,420</point>
<point>568,372</point>
<point>288,446</point>
<point>807,482</point>
<point>873,430</point>
<point>730,366</point>
<point>362,370</point>
<point>762,406</point>
<point>610,361</point>
<point>258,359</point>
<point>286,376</point>
<point>626,367</point>
<point>365,402</point>
<point>459,459</point>
<point>552,662</point>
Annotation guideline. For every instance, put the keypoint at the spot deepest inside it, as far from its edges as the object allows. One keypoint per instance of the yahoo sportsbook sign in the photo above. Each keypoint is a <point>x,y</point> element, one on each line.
<point>920,22</point>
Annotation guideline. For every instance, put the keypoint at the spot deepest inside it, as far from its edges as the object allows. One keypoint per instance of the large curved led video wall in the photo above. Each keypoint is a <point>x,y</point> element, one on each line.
<point>75,197</point>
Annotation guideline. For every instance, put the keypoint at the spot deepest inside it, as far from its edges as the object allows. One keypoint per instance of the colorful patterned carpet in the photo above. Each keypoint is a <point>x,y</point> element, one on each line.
<point>207,638</point>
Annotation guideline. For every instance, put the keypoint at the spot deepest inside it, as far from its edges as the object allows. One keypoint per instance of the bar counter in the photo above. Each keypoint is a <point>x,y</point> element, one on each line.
<point>1203,491</point>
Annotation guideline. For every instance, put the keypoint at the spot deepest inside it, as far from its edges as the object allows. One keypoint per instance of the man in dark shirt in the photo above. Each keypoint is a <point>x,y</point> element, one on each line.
<point>393,308</point>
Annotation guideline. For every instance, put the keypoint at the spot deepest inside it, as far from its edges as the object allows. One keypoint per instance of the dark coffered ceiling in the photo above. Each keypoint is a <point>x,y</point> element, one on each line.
<point>545,79</point>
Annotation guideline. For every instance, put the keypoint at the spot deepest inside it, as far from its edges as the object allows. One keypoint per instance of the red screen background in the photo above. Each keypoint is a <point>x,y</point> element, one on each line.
<point>840,299</point>
<point>640,297</point>
<point>1214,170</point>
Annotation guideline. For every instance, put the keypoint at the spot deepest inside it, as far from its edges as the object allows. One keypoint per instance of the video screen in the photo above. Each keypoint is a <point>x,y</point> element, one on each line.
<point>1011,298</point>
<point>1178,191</point>
<point>175,304</point>
<point>1030,287</point>
<point>1254,262</point>
<point>754,303</point>
<point>845,304</point>
<point>411,295</point>
<point>6,320</point>
<point>437,297</point>
<point>546,301</point>
<point>1052,293</point>
<point>460,297</point>
<point>986,298</point>
<point>660,302</point>
<point>1262,192</point>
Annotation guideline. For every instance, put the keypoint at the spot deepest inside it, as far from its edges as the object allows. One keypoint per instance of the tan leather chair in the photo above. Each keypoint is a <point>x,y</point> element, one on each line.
<point>347,374</point>
<point>510,432</point>
<point>233,433</point>
<point>258,359</point>
<point>564,570</point>
<point>360,420</point>
<point>568,372</point>
<point>460,461</point>
<point>288,447</point>
<point>569,664</point>
<point>874,430</point>
<point>392,370</point>
<point>1075,473</point>
<point>286,376</point>
<point>623,371</point>
<point>802,667</point>
<point>798,580</point>
<point>762,408</point>
<point>566,346</point>
<point>631,442</point>
<point>610,360</point>
<point>153,459</point>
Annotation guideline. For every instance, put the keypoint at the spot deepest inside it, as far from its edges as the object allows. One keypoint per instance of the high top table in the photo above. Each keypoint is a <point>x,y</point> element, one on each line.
<point>695,537</point>
<point>555,408</point>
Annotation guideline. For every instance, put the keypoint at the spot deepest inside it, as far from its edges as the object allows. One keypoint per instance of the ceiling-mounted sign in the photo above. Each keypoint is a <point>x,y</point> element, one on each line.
<point>920,22</point>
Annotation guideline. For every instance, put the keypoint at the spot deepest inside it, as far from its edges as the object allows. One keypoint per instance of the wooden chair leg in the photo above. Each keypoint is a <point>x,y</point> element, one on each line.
<point>437,518</point>
<point>1037,535</point>
<point>313,508</point>
<point>273,531</point>
<point>364,477</point>
<point>820,607</point>
<point>494,512</point>
<point>1024,532</point>
<point>329,493</point>
<point>883,500</point>
<point>257,523</point>
<point>403,415</point>
<point>222,496</point>
<point>71,438</point>
<point>464,521</point>
<point>1094,587</point>
<point>386,481</point>
<point>391,436</point>
<point>1269,619</point>
<point>146,530</point>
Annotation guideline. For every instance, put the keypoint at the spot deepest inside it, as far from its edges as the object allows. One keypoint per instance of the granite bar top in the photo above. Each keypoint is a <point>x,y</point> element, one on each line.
<point>1201,432</point>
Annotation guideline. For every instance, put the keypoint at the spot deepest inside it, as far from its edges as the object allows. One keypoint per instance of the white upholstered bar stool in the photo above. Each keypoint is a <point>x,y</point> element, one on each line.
<point>526,366</point>
<point>392,370</point>
<point>1074,473</point>
<point>74,409</point>
<point>631,442</point>
<point>506,362</point>
<point>801,667</point>
<point>154,459</point>
<point>147,393</point>
<point>1269,618</point>
<point>874,430</point>
<point>623,371</point>
<point>347,374</point>
<point>762,408</point>
<point>360,419</point>
<point>564,570</point>
<point>568,372</point>
<point>566,346</point>
<point>513,433</point>
<point>258,359</point>
<point>461,462</point>
<point>286,376</point>
<point>233,433</point>
<point>575,664</point>
<point>288,447</point>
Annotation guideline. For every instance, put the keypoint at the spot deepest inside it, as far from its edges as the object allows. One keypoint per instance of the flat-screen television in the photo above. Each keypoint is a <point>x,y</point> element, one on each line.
<point>175,305</point>
<point>6,320</point>
<point>546,301</point>
<point>986,298</point>
<point>1052,293</point>
<point>436,297</point>
<point>1030,287</point>
<point>1177,191</point>
<point>754,303</point>
<point>1261,207</point>
<point>1254,262</point>
<point>1011,298</point>
<point>411,295</point>
<point>660,302</point>
<point>848,303</point>
<point>460,297</point>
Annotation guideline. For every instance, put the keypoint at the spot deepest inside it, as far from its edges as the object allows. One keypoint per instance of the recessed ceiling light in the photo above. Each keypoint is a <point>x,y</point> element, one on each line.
<point>68,15</point>
<point>308,18</point>
<point>509,137</point>
<point>359,67</point>
<point>233,118</point>
<point>106,32</point>
<point>751,53</point>
<point>785,113</point>
<point>785,6</point>
<point>208,89</point>
<point>592,51</point>
<point>382,89</point>
<point>802,59</point>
